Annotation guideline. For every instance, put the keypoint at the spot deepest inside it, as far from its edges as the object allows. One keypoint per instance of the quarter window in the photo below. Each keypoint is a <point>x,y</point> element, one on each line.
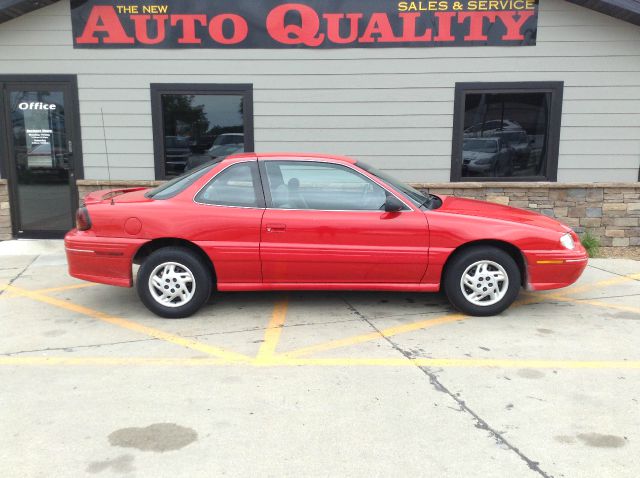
<point>321,186</point>
<point>507,131</point>
<point>234,186</point>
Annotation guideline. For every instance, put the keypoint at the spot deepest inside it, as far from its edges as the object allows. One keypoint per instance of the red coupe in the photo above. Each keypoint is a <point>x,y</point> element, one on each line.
<point>309,222</point>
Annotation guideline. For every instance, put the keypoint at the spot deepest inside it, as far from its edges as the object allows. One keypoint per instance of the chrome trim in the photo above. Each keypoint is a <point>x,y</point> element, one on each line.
<point>577,260</point>
<point>81,250</point>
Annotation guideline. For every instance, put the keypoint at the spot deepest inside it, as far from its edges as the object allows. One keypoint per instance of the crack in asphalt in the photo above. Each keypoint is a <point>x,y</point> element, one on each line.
<point>614,273</point>
<point>433,379</point>
<point>19,273</point>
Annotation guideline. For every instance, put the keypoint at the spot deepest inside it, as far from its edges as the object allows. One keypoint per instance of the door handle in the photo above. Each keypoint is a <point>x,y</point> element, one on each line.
<point>276,227</point>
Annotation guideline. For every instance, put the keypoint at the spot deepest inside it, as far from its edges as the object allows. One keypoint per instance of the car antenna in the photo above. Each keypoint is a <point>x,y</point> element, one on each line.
<point>106,150</point>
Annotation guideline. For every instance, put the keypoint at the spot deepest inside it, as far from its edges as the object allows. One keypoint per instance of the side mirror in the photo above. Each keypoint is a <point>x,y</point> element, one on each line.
<point>393,204</point>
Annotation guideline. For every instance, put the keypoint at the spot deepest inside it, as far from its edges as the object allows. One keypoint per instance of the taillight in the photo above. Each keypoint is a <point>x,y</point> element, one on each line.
<point>83,221</point>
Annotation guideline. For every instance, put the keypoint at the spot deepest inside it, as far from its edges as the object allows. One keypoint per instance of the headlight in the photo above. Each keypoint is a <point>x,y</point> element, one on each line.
<point>567,241</point>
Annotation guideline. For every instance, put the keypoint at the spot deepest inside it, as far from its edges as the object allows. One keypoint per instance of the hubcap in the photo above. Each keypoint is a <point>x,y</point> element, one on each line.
<point>484,283</point>
<point>172,284</point>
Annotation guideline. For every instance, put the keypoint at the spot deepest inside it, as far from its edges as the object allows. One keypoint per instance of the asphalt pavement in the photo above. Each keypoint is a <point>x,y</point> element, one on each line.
<point>315,384</point>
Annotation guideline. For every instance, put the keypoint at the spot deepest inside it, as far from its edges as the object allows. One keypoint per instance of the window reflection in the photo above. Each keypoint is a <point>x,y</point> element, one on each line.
<point>198,128</point>
<point>505,134</point>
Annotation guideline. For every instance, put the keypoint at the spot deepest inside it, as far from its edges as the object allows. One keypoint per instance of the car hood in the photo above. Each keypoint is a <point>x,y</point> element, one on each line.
<point>471,207</point>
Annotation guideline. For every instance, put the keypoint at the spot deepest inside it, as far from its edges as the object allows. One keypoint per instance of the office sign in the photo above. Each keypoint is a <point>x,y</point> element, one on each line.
<point>302,24</point>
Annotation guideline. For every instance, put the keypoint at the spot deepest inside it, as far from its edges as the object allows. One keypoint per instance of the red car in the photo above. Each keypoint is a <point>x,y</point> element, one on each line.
<point>309,222</point>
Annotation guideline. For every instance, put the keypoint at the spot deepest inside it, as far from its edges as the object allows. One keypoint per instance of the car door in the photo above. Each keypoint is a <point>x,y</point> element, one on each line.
<point>325,224</point>
<point>229,213</point>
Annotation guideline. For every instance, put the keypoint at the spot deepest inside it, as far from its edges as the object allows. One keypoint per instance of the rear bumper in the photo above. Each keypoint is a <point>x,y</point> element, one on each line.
<point>106,260</point>
<point>555,269</point>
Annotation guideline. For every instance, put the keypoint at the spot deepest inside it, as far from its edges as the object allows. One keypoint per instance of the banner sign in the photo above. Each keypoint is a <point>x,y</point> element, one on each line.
<point>302,24</point>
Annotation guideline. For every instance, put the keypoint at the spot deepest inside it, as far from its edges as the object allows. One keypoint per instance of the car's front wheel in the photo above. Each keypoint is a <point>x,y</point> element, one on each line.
<point>173,282</point>
<point>482,281</point>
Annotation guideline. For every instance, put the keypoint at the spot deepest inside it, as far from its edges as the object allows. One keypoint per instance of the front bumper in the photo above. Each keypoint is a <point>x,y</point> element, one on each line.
<point>555,269</point>
<point>106,260</point>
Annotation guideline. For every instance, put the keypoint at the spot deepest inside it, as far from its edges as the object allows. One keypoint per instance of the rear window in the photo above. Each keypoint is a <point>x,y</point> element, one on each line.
<point>179,184</point>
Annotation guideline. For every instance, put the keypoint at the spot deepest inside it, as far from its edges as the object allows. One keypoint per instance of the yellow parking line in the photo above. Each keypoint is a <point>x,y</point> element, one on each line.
<point>66,287</point>
<point>274,331</point>
<point>574,289</point>
<point>389,332</point>
<point>112,361</point>
<point>466,363</point>
<point>279,361</point>
<point>529,299</point>
<point>11,295</point>
<point>597,303</point>
<point>143,329</point>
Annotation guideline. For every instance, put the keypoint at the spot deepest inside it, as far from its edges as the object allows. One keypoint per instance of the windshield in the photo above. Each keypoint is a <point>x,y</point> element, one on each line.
<point>480,145</point>
<point>416,197</point>
<point>179,184</point>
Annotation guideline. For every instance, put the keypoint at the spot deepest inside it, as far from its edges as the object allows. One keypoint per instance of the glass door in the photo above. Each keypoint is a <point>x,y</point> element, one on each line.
<point>41,167</point>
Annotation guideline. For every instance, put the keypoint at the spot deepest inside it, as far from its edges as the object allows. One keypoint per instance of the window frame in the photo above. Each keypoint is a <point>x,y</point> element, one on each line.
<point>555,88</point>
<point>255,178</point>
<point>267,187</point>
<point>159,89</point>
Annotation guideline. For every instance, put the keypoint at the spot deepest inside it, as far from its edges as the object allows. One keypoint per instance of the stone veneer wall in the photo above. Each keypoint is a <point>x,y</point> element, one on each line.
<point>5,217</point>
<point>610,211</point>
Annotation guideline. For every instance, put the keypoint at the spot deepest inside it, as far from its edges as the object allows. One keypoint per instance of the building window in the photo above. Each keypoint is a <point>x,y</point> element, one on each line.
<point>194,123</point>
<point>506,131</point>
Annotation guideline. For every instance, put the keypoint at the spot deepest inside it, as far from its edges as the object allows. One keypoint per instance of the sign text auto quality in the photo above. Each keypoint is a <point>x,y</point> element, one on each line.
<point>302,24</point>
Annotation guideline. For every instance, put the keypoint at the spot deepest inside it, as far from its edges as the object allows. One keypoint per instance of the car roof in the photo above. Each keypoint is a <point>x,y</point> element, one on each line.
<point>291,156</point>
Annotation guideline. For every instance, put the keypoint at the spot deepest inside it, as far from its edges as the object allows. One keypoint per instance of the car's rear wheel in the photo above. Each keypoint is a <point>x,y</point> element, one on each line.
<point>482,281</point>
<point>173,282</point>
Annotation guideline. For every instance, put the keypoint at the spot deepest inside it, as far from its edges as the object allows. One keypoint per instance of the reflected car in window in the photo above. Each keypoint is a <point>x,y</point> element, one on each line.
<point>313,222</point>
<point>488,128</point>
<point>487,157</point>
<point>223,142</point>
<point>177,151</point>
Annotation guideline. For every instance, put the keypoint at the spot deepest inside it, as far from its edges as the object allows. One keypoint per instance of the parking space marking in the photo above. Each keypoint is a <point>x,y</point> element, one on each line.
<point>575,289</point>
<point>389,332</point>
<point>273,332</point>
<point>113,361</point>
<point>49,290</point>
<point>280,361</point>
<point>597,303</point>
<point>267,355</point>
<point>126,324</point>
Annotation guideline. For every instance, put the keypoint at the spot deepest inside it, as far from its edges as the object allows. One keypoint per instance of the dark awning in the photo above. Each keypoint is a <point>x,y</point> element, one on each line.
<point>10,9</point>
<point>627,10</point>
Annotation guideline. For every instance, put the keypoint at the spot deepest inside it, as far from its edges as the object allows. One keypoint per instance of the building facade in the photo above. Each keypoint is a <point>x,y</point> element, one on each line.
<point>553,127</point>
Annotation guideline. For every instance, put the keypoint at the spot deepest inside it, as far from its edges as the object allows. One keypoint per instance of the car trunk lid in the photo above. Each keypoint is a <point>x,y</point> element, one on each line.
<point>117,195</point>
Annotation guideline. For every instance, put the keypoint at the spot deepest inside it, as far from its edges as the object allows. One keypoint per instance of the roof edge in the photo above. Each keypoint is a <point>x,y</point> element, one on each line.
<point>625,10</point>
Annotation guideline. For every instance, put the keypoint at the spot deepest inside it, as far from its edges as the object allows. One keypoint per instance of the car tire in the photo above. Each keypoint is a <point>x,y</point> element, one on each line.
<point>474,272</point>
<point>173,282</point>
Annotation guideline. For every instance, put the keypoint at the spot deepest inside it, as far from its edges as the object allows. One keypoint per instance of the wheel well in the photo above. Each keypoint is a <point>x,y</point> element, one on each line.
<point>152,246</point>
<point>510,249</point>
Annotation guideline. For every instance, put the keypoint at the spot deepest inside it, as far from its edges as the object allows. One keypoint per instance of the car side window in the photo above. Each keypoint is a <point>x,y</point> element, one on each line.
<point>321,186</point>
<point>233,186</point>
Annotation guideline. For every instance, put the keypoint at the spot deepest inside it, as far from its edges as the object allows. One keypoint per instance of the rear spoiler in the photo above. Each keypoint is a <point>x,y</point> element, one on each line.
<point>106,194</point>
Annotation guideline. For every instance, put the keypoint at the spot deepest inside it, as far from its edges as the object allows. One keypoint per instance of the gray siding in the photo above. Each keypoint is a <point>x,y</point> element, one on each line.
<point>391,107</point>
